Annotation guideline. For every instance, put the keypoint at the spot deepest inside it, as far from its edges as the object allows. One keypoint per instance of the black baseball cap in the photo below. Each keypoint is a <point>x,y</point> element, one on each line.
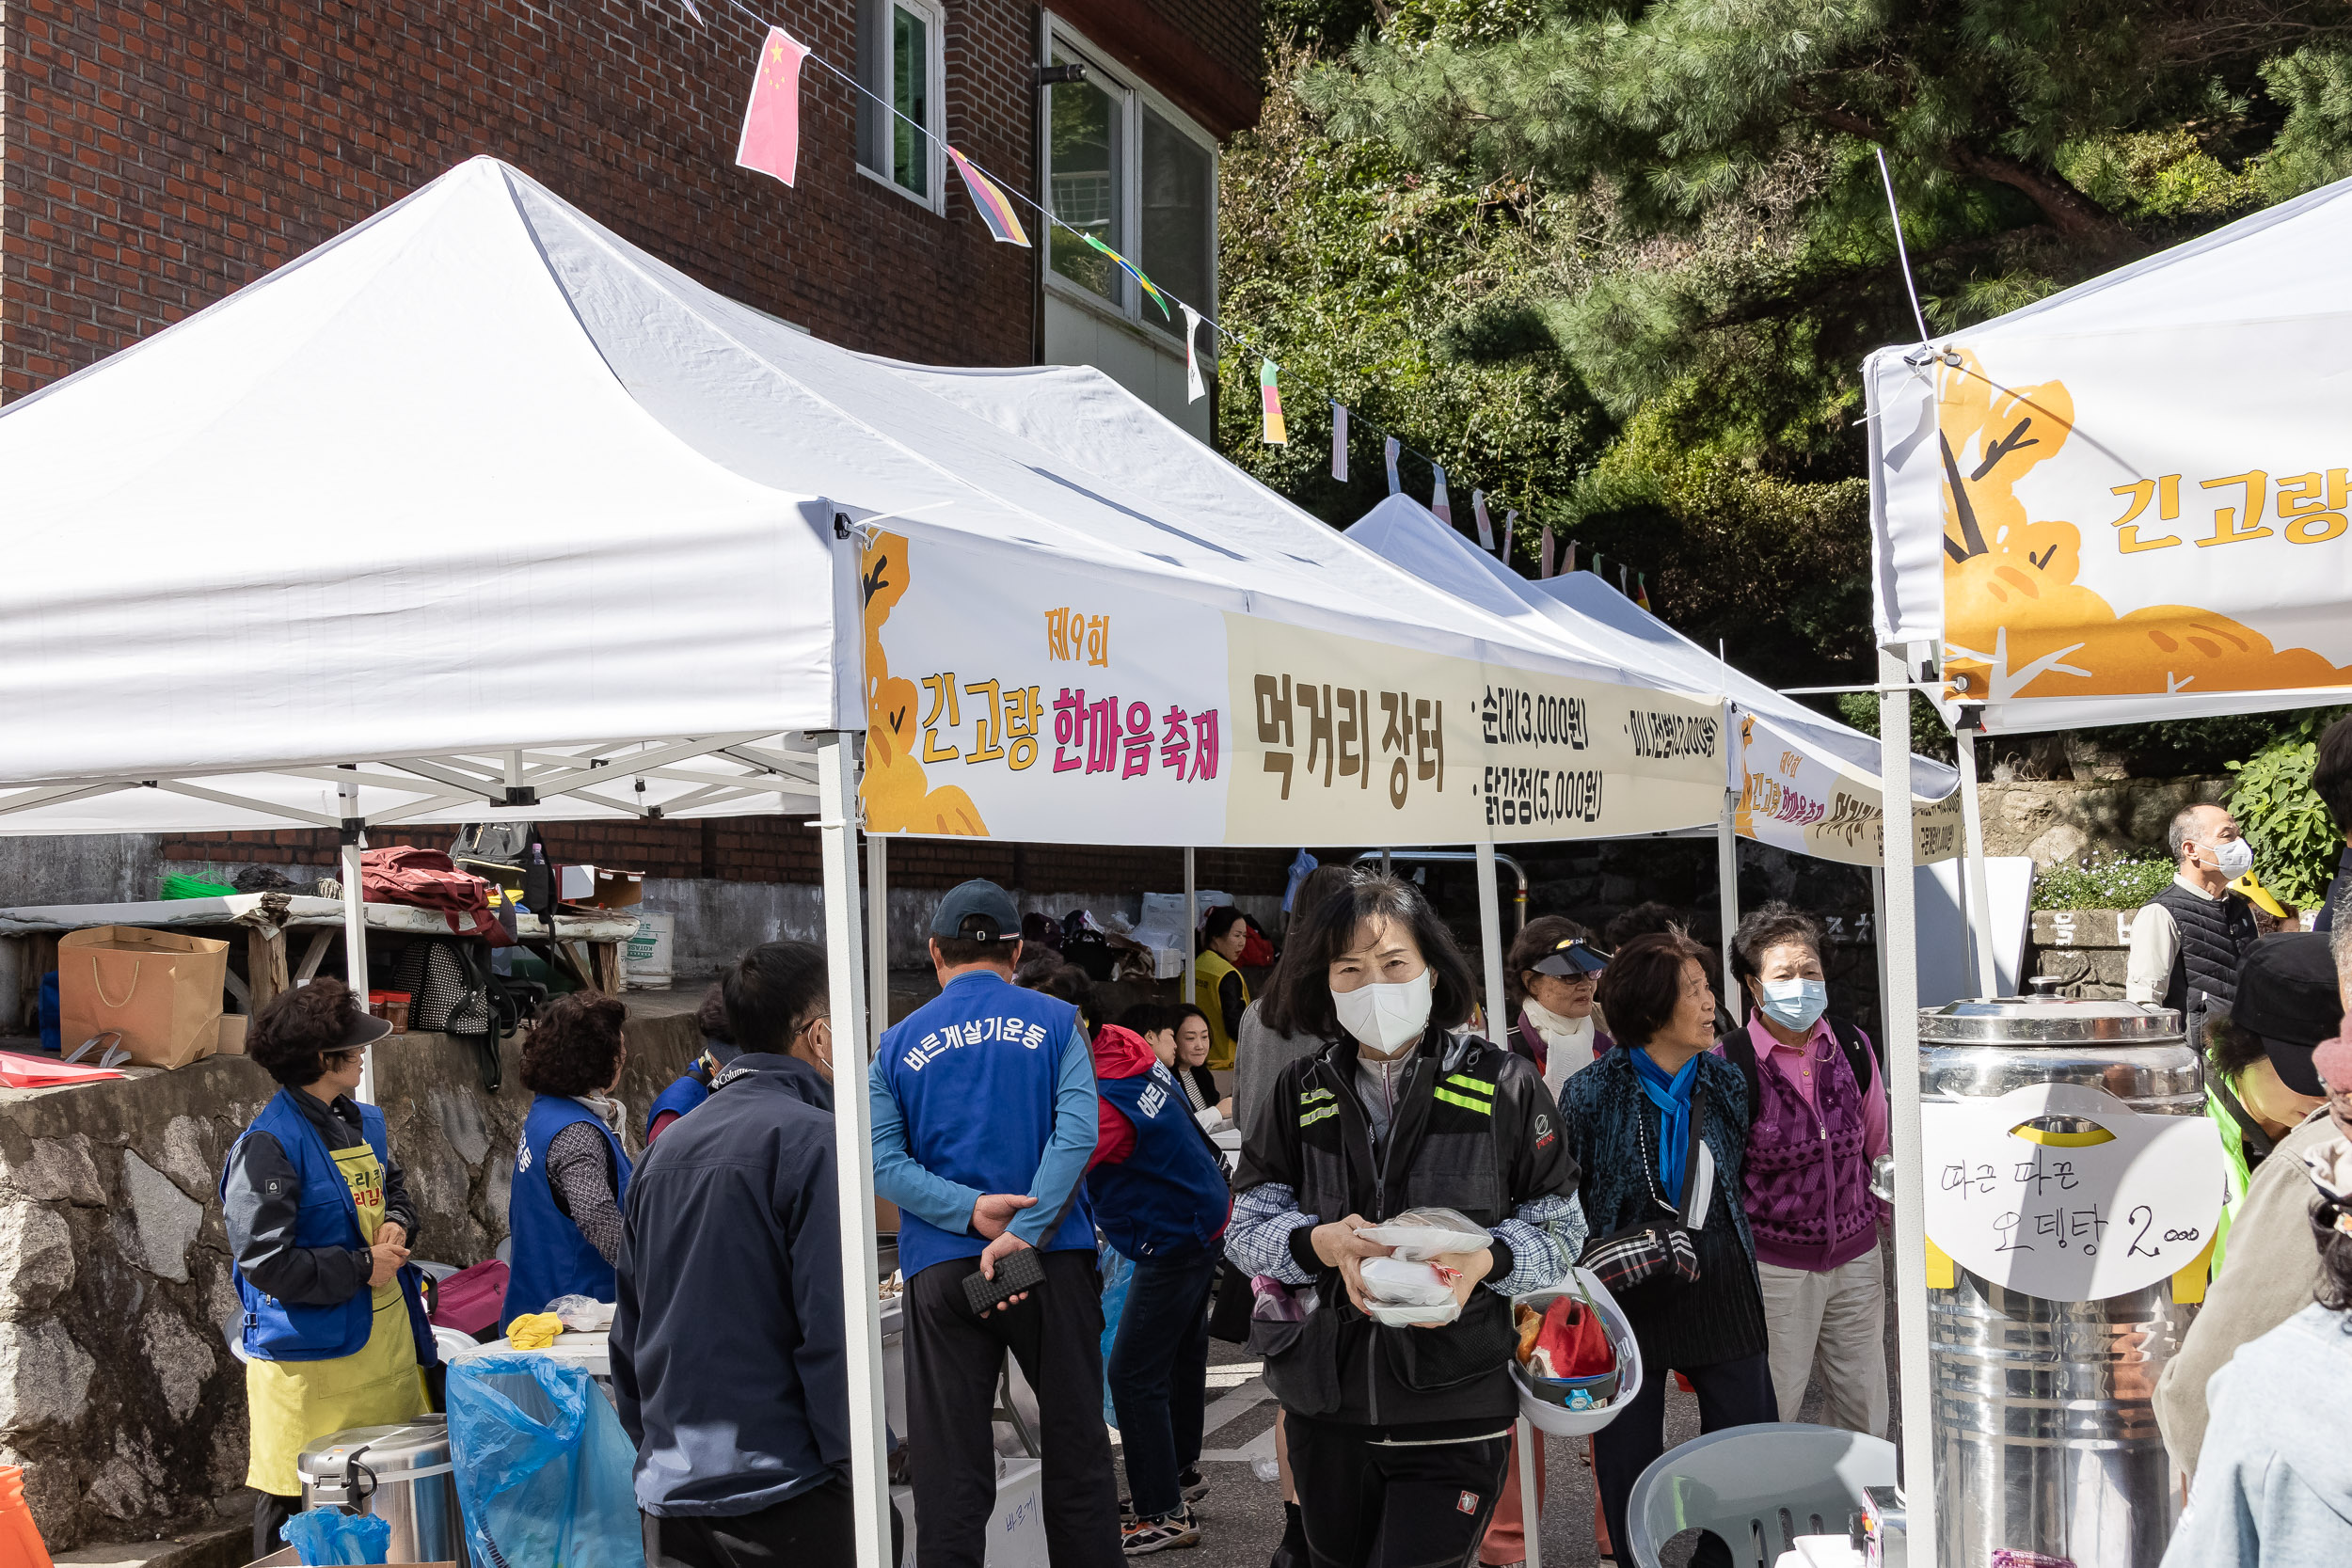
<point>1573,960</point>
<point>977,910</point>
<point>2287,997</point>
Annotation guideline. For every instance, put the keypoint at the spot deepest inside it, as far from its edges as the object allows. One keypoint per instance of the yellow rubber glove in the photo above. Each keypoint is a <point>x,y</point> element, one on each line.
<point>533,1331</point>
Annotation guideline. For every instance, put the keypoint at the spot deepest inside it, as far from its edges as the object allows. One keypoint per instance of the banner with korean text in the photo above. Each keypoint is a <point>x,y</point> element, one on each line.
<point>1796,797</point>
<point>2129,502</point>
<point>1044,704</point>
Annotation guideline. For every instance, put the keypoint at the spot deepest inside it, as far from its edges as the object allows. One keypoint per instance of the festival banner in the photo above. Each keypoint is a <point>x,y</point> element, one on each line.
<point>1045,706</point>
<point>1798,798</point>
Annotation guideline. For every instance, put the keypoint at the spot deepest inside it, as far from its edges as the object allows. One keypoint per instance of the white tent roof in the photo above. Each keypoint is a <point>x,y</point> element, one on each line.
<point>479,496</point>
<point>2045,486</point>
<point>1583,611</point>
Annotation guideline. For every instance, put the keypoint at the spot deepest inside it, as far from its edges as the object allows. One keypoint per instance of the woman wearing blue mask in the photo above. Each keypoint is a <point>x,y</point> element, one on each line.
<point>1819,1120</point>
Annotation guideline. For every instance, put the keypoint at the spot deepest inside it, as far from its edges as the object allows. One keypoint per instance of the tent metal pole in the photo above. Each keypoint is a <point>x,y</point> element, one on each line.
<point>1878,935</point>
<point>1531,1509</point>
<point>1192,930</point>
<point>878,935</point>
<point>1972,847</point>
<point>1727,896</point>
<point>355,919</point>
<point>1490,939</point>
<point>836,828</point>
<point>1899,947</point>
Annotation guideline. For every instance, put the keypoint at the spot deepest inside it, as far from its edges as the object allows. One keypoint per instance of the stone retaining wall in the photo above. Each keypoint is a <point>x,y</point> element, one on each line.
<point>2057,820</point>
<point>2085,949</point>
<point>118,1393</point>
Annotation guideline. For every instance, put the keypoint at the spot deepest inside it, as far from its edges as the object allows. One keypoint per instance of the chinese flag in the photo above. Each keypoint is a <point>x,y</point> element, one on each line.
<point>772,121</point>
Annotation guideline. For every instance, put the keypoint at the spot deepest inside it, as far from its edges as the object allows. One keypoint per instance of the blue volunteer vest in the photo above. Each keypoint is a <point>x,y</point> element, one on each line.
<point>1170,1195</point>
<point>974,1071</point>
<point>681,1096</point>
<point>282,1331</point>
<point>551,1258</point>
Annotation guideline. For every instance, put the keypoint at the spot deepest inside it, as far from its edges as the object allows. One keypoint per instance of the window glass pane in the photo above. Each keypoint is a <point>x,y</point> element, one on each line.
<point>910,94</point>
<point>873,71</point>
<point>1083,161</point>
<point>1178,176</point>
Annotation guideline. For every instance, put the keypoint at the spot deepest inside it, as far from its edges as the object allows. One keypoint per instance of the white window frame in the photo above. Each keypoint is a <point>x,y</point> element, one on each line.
<point>934,199</point>
<point>1133,96</point>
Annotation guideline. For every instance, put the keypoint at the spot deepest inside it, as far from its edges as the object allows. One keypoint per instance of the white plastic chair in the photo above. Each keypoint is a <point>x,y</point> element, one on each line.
<point>1758,1487</point>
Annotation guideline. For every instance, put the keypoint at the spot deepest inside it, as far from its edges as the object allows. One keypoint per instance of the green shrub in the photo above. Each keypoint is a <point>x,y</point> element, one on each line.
<point>2115,883</point>
<point>2296,845</point>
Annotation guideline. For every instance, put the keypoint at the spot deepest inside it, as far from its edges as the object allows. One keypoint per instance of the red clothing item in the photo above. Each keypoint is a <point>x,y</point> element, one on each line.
<point>1118,1054</point>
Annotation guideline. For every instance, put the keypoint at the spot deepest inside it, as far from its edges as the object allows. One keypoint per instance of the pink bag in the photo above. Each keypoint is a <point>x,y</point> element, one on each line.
<point>468,1300</point>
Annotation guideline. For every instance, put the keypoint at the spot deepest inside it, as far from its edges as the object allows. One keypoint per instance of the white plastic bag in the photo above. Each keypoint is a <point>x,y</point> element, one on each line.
<point>1395,1282</point>
<point>1426,1233</point>
<point>1407,1316</point>
<point>583,1314</point>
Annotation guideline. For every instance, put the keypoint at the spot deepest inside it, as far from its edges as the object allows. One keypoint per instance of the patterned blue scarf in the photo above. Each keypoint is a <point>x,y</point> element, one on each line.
<point>1672,1096</point>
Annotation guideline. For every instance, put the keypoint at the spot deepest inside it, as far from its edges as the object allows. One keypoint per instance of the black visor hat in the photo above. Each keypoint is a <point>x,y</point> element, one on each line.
<point>1573,960</point>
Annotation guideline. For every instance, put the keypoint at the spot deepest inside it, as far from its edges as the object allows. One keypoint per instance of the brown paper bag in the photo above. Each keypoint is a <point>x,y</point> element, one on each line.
<point>159,991</point>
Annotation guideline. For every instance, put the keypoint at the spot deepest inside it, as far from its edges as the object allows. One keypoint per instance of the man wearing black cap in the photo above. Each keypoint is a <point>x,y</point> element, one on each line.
<point>984,1119</point>
<point>2287,999</point>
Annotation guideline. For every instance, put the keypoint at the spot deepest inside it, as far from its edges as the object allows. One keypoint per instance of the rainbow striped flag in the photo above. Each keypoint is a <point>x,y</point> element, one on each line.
<point>1129,268</point>
<point>995,209</point>
<point>1641,595</point>
<point>1275,433</point>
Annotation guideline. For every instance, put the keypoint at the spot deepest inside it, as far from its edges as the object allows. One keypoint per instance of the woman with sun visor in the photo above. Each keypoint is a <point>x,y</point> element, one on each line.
<point>1554,970</point>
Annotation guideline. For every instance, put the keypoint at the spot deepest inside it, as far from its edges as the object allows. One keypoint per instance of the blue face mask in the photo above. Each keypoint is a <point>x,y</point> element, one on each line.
<point>1794,1004</point>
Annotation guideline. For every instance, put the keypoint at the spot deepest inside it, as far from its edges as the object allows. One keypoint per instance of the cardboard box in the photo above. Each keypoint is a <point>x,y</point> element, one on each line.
<point>159,991</point>
<point>599,886</point>
<point>233,1028</point>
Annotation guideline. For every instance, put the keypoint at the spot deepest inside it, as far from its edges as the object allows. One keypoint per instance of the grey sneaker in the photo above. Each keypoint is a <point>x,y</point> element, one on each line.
<point>1169,1532</point>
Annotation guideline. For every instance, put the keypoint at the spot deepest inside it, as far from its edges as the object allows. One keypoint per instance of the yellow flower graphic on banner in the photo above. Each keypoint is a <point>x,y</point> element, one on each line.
<point>2018,620</point>
<point>896,795</point>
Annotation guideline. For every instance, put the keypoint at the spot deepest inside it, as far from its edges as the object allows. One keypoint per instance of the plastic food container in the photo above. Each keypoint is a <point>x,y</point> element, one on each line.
<point>392,1006</point>
<point>1544,1402</point>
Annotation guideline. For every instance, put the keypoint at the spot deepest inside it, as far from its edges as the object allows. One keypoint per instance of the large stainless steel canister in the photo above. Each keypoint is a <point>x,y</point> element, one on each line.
<point>2045,1436</point>
<point>401,1474</point>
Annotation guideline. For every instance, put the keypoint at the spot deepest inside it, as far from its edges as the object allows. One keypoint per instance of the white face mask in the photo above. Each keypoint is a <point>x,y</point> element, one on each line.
<point>1794,1004</point>
<point>1386,1018</point>
<point>2234,859</point>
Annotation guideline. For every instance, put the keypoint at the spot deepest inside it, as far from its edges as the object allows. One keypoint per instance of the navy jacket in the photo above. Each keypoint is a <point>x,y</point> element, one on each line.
<point>728,1343</point>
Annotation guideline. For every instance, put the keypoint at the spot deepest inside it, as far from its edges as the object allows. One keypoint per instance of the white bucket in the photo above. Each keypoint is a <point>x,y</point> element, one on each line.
<point>1558,1419</point>
<point>645,957</point>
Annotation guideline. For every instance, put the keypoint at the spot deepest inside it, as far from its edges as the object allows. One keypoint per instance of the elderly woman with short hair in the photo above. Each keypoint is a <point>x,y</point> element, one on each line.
<point>571,1174</point>
<point>320,1225</point>
<point>1660,1129</point>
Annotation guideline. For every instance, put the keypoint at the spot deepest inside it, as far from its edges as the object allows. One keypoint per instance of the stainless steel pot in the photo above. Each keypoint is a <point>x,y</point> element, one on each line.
<point>401,1474</point>
<point>2045,1436</point>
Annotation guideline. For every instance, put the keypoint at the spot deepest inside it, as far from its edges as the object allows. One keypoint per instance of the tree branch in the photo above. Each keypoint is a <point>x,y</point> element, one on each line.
<point>2068,211</point>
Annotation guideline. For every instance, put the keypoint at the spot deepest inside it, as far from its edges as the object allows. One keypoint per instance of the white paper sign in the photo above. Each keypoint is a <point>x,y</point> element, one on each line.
<point>2070,1222</point>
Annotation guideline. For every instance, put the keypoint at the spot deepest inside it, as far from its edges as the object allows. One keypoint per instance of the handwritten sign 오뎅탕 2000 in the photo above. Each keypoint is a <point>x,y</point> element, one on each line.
<point>2069,1221</point>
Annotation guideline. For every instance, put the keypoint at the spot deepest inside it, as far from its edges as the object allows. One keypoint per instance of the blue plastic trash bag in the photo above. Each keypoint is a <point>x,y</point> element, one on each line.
<point>329,1535</point>
<point>543,1466</point>
<point>1117,1273</point>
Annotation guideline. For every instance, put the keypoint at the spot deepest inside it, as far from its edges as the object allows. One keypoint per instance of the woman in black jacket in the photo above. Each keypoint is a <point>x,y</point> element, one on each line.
<point>1398,1437</point>
<point>1659,1126</point>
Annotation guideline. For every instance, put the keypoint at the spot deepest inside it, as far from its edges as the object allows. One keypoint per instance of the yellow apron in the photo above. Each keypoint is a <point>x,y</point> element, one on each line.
<point>296,1403</point>
<point>1208,974</point>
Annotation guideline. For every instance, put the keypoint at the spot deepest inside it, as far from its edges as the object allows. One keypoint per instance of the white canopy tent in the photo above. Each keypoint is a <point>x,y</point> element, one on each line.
<point>1584,613</point>
<point>2112,506</point>
<point>476,510</point>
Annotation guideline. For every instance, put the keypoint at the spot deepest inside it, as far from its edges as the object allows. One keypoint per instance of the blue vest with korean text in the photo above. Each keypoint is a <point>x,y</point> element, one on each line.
<point>327,1217</point>
<point>551,1257</point>
<point>974,1073</point>
<point>1170,1195</point>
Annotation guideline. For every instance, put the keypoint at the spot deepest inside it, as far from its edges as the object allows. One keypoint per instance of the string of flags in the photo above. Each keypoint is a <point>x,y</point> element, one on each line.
<point>769,144</point>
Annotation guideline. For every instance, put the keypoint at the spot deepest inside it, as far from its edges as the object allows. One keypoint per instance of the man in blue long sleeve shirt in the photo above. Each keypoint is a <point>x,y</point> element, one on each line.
<point>983,1115</point>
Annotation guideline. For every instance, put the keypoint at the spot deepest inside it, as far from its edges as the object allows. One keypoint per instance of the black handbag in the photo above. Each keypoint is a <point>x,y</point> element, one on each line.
<point>1658,1248</point>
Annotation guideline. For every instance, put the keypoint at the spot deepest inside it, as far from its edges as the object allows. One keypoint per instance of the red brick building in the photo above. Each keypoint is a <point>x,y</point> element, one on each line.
<point>158,154</point>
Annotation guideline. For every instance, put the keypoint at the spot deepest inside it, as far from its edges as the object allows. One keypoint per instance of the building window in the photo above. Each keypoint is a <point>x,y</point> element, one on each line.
<point>901,62</point>
<point>1128,168</point>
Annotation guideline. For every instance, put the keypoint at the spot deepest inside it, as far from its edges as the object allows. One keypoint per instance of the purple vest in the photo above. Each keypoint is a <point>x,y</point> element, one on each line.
<point>1809,1183</point>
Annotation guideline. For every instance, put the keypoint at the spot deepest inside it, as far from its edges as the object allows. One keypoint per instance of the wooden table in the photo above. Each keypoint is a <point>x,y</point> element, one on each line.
<point>588,944</point>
